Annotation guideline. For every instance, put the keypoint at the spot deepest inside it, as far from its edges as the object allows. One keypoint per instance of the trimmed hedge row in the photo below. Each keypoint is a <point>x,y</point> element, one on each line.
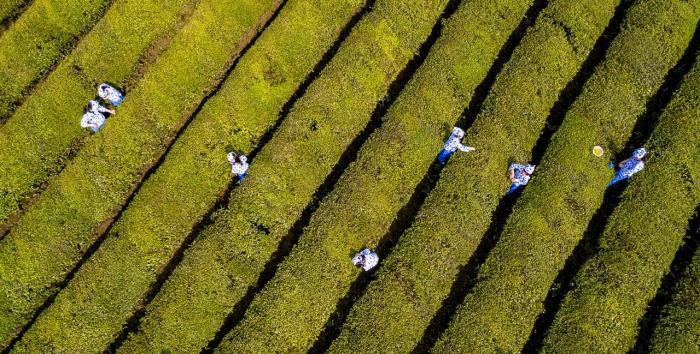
<point>229,255</point>
<point>641,238</point>
<point>549,218</point>
<point>678,330</point>
<point>9,8</point>
<point>110,287</point>
<point>40,38</point>
<point>418,275</point>
<point>41,135</point>
<point>63,222</point>
<point>290,312</point>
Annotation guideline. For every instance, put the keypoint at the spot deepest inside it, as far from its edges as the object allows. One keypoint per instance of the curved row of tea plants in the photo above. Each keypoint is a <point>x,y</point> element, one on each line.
<point>229,256</point>
<point>41,135</point>
<point>112,284</point>
<point>418,275</point>
<point>54,234</point>
<point>678,330</point>
<point>368,196</point>
<point>550,217</point>
<point>641,238</point>
<point>43,35</point>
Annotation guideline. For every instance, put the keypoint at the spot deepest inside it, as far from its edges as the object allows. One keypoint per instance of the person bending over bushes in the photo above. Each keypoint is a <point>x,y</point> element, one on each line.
<point>629,167</point>
<point>453,143</point>
<point>519,175</point>
<point>93,116</point>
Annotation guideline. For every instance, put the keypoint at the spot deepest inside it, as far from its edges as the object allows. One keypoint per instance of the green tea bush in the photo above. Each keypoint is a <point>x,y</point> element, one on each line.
<point>39,137</point>
<point>41,37</point>
<point>111,286</point>
<point>551,216</point>
<point>640,240</point>
<point>678,330</point>
<point>418,274</point>
<point>229,255</point>
<point>60,226</point>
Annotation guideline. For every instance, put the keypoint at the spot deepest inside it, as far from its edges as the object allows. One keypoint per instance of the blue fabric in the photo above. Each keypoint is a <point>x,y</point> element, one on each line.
<point>444,155</point>
<point>619,176</point>
<point>514,188</point>
<point>241,177</point>
<point>118,102</point>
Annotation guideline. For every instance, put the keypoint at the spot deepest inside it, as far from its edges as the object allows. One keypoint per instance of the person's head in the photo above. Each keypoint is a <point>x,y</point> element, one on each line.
<point>458,132</point>
<point>639,153</point>
<point>358,260</point>
<point>90,106</point>
<point>530,169</point>
<point>231,157</point>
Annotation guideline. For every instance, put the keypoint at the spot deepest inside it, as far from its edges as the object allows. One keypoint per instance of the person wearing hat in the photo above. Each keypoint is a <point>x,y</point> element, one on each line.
<point>93,116</point>
<point>239,165</point>
<point>629,167</point>
<point>453,143</point>
<point>365,259</point>
<point>109,93</point>
<point>519,176</point>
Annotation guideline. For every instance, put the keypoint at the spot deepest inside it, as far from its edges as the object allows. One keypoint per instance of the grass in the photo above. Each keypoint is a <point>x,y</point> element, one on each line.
<point>55,233</point>
<point>38,40</point>
<point>636,249</point>
<point>229,256</point>
<point>550,217</point>
<point>110,287</point>
<point>679,328</point>
<point>44,133</point>
<point>419,273</point>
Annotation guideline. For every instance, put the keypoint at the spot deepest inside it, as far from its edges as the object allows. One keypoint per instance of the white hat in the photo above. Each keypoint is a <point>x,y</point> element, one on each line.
<point>639,153</point>
<point>530,169</point>
<point>458,131</point>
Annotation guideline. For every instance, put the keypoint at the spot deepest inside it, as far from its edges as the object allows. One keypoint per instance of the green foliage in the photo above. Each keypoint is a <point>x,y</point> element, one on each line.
<point>551,215</point>
<point>229,255</point>
<point>318,272</point>
<point>39,39</point>
<point>45,130</point>
<point>55,232</point>
<point>678,330</point>
<point>111,285</point>
<point>641,238</point>
<point>9,8</point>
<point>418,275</point>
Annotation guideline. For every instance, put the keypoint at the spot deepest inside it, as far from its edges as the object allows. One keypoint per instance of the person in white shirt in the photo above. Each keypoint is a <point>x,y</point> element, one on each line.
<point>365,259</point>
<point>93,116</point>
<point>453,143</point>
<point>239,165</point>
<point>519,176</point>
<point>111,94</point>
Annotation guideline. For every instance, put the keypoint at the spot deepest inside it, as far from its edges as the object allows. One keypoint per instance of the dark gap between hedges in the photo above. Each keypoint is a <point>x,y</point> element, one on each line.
<point>329,183</point>
<point>406,215</point>
<point>14,15</point>
<point>104,229</point>
<point>66,49</point>
<point>147,58</point>
<point>664,295</point>
<point>589,243</point>
<point>133,323</point>
<point>468,273</point>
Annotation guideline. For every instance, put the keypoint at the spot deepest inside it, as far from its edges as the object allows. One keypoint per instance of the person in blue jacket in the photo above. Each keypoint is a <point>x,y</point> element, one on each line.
<point>630,166</point>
